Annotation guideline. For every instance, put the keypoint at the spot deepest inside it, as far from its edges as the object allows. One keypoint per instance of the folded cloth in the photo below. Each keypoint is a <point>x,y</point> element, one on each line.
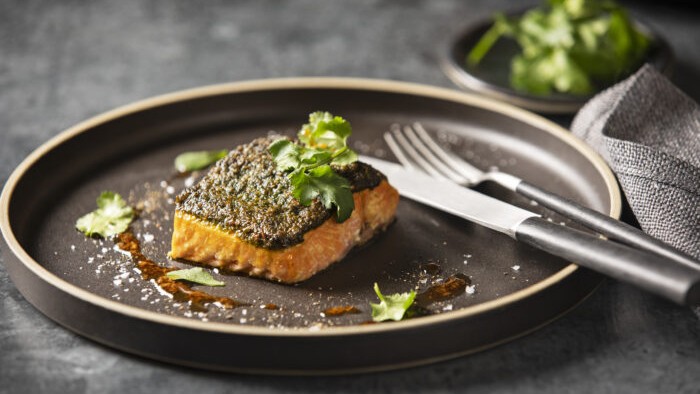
<point>649,133</point>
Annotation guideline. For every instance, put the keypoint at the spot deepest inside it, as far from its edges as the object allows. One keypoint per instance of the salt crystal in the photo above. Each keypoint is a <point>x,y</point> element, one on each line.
<point>515,268</point>
<point>471,289</point>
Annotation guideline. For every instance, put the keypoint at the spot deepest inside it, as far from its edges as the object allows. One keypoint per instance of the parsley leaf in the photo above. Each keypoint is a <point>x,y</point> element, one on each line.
<point>197,160</point>
<point>391,307</point>
<point>324,141</point>
<point>111,217</point>
<point>569,46</point>
<point>195,275</point>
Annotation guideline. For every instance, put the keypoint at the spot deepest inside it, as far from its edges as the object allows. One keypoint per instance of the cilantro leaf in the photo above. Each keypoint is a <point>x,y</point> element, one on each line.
<point>197,160</point>
<point>195,275</point>
<point>111,217</point>
<point>331,189</point>
<point>311,156</point>
<point>391,307</point>
<point>325,131</point>
<point>324,142</point>
<point>286,154</point>
<point>346,157</point>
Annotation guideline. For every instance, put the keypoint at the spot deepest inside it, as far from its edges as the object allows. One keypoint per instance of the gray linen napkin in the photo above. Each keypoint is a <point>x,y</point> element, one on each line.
<point>649,133</point>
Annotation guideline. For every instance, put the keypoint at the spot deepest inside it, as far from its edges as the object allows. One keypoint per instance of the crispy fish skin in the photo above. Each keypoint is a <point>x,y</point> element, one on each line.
<point>242,217</point>
<point>197,240</point>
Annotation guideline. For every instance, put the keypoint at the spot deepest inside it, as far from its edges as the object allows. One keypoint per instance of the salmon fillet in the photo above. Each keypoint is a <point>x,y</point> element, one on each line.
<point>241,217</point>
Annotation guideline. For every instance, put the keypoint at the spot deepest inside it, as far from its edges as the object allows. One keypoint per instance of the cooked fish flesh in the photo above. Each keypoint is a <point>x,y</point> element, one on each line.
<point>242,217</point>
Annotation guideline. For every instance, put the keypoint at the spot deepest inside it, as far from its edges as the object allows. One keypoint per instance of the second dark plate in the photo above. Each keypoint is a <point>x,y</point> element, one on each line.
<point>491,77</point>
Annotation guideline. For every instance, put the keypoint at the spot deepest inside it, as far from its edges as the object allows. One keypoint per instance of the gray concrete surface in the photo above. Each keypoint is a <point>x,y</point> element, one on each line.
<point>63,61</point>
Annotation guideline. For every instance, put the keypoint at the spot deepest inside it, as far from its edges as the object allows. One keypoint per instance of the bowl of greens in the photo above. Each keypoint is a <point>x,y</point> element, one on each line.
<point>553,58</point>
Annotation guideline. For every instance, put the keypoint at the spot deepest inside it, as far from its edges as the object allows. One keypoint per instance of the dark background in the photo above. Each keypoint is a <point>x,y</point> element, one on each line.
<point>64,61</point>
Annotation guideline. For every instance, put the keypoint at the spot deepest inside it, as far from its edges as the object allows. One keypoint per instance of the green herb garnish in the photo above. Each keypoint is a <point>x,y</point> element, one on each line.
<point>324,142</point>
<point>111,217</point>
<point>193,161</point>
<point>568,46</point>
<point>391,307</point>
<point>195,275</point>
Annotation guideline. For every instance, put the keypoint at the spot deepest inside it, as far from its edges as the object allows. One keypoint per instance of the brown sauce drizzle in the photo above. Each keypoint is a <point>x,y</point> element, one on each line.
<point>271,307</point>
<point>452,287</point>
<point>431,268</point>
<point>341,310</point>
<point>181,292</point>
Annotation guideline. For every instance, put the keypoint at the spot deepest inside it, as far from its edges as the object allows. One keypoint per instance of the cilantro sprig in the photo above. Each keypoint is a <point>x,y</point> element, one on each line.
<point>569,46</point>
<point>391,307</point>
<point>111,217</point>
<point>323,143</point>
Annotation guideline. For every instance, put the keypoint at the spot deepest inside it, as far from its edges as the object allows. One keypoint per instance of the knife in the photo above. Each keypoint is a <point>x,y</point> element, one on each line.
<point>647,270</point>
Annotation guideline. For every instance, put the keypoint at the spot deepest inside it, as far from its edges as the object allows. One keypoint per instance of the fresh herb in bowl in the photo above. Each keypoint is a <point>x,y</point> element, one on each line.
<point>567,46</point>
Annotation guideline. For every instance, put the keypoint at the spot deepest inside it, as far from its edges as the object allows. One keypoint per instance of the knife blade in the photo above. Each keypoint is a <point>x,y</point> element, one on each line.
<point>452,198</point>
<point>652,272</point>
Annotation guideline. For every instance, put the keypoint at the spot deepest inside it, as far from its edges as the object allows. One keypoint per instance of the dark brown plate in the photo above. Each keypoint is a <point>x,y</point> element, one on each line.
<point>492,76</point>
<point>91,288</point>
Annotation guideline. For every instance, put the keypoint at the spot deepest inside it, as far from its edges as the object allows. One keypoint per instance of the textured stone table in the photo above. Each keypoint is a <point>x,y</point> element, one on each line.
<point>64,61</point>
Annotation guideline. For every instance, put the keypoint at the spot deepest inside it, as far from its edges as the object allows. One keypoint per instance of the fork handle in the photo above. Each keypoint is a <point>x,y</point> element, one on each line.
<point>641,268</point>
<point>603,224</point>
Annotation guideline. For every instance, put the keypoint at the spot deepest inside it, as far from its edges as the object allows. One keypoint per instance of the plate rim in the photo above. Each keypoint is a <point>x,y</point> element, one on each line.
<point>350,83</point>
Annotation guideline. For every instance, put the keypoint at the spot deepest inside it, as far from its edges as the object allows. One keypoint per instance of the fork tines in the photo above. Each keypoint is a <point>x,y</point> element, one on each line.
<point>416,149</point>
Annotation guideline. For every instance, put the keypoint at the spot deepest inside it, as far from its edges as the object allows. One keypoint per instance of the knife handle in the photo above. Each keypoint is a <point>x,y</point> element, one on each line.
<point>654,273</point>
<point>604,224</point>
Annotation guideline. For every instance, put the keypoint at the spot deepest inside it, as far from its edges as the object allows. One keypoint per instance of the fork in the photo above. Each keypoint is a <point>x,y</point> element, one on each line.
<point>417,150</point>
